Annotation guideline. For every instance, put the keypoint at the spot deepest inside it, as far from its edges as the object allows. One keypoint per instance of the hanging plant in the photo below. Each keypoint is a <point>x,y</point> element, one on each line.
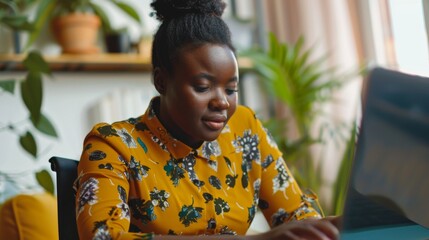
<point>31,92</point>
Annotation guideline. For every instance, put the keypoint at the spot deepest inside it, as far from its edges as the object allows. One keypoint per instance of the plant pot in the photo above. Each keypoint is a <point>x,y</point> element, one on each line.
<point>16,42</point>
<point>77,33</point>
<point>117,42</point>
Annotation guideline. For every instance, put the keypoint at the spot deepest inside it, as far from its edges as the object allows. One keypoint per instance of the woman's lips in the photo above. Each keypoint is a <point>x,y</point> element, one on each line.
<point>215,122</point>
<point>214,125</point>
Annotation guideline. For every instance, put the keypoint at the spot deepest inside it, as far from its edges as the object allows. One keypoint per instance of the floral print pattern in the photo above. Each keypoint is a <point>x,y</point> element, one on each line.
<point>248,145</point>
<point>160,198</point>
<point>279,217</point>
<point>133,175</point>
<point>190,214</point>
<point>87,194</point>
<point>126,138</point>
<point>174,171</point>
<point>282,180</point>
<point>138,171</point>
<point>125,212</point>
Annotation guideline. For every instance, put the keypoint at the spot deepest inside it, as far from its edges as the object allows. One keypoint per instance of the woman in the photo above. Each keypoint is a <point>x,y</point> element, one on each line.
<point>195,165</point>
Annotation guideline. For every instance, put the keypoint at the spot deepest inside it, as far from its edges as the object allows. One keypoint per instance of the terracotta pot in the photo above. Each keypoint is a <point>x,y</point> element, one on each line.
<point>77,32</point>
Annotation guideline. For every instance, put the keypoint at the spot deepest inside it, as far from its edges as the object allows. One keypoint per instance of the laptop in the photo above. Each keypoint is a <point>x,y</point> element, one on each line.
<point>388,189</point>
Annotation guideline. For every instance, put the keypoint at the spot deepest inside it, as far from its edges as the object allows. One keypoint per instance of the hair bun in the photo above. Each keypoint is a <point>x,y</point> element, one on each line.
<point>169,9</point>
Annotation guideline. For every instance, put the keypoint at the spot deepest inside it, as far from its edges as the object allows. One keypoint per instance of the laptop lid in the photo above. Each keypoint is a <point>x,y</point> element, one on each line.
<point>389,182</point>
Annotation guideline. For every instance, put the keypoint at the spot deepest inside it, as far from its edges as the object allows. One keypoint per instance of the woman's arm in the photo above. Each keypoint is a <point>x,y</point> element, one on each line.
<point>103,188</point>
<point>311,229</point>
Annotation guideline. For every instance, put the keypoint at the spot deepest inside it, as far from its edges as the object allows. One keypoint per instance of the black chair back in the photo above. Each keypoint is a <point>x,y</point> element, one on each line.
<point>66,171</point>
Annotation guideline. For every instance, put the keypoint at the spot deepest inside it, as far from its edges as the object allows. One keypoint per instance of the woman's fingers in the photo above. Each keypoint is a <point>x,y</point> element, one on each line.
<point>317,229</point>
<point>336,221</point>
<point>312,229</point>
<point>328,228</point>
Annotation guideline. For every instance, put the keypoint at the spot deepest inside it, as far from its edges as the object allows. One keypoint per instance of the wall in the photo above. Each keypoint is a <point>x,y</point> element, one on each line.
<point>68,101</point>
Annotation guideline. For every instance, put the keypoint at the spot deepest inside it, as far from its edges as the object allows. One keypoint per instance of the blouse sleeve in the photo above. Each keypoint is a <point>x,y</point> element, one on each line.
<point>102,189</point>
<point>281,198</point>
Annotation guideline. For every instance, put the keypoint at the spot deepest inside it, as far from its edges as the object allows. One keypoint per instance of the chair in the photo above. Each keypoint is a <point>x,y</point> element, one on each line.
<point>66,171</point>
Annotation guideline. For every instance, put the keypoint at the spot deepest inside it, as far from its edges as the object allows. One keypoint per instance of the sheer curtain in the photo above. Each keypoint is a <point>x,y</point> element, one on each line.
<point>330,27</point>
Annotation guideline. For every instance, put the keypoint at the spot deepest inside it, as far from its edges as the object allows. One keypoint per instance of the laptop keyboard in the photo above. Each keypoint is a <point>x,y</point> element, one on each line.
<point>362,212</point>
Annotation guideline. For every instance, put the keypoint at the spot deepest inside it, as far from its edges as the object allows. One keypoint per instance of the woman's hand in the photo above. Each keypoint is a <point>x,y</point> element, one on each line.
<point>312,229</point>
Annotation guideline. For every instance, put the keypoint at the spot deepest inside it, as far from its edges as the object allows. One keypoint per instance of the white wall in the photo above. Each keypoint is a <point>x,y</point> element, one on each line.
<point>68,100</point>
<point>69,97</point>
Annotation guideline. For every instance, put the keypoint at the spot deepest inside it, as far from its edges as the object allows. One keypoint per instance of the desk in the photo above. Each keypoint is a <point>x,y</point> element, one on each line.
<point>403,232</point>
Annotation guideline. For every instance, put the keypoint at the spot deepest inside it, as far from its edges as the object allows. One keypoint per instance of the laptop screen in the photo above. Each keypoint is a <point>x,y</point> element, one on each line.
<point>391,166</point>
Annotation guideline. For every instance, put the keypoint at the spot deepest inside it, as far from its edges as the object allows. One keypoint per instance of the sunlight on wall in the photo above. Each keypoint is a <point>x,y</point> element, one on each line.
<point>410,36</point>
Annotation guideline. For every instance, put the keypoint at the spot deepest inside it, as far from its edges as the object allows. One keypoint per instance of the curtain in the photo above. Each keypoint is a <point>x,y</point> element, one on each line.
<point>330,27</point>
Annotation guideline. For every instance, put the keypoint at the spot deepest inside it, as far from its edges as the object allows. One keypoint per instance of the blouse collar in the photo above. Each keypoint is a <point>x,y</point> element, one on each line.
<point>174,146</point>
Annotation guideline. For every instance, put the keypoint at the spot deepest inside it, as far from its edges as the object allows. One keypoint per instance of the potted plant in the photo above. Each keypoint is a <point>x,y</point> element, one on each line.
<point>84,15</point>
<point>12,17</point>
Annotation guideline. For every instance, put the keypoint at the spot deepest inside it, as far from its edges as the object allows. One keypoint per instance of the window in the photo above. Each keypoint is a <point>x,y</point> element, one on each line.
<point>410,36</point>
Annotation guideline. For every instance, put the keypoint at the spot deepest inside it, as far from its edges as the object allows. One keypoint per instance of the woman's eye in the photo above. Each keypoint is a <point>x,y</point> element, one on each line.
<point>231,91</point>
<point>201,88</point>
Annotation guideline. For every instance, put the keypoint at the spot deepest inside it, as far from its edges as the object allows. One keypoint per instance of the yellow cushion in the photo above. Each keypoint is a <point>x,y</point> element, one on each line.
<point>32,216</point>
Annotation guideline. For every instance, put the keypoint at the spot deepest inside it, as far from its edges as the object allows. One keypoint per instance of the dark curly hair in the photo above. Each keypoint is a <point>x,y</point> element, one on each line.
<point>187,23</point>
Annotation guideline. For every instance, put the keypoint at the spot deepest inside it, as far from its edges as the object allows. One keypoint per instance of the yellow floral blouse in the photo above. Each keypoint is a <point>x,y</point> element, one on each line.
<point>135,180</point>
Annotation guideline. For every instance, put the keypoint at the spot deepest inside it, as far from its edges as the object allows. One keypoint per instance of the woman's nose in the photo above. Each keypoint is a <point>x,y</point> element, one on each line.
<point>219,100</point>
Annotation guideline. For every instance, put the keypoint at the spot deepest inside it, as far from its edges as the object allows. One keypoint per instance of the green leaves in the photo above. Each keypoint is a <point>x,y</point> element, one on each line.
<point>31,92</point>
<point>340,186</point>
<point>293,78</point>
<point>44,11</point>
<point>129,10</point>
<point>124,7</point>
<point>16,22</point>
<point>32,96</point>
<point>35,63</point>
<point>28,143</point>
<point>106,25</point>
<point>10,16</point>
<point>45,180</point>
<point>45,126</point>
<point>8,85</point>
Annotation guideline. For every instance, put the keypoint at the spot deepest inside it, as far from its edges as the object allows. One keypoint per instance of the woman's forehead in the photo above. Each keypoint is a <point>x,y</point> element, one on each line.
<point>207,54</point>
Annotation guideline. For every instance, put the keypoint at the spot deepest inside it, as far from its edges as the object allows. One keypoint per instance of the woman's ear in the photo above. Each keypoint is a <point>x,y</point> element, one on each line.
<point>160,80</point>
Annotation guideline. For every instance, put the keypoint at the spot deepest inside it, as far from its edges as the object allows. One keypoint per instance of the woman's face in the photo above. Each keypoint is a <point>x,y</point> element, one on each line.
<point>200,96</point>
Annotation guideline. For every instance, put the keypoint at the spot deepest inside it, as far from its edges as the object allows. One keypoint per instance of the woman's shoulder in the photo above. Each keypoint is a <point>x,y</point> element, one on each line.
<point>244,112</point>
<point>104,129</point>
<point>243,116</point>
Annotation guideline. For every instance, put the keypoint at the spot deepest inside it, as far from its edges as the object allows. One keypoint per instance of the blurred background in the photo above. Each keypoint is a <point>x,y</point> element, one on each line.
<point>302,69</point>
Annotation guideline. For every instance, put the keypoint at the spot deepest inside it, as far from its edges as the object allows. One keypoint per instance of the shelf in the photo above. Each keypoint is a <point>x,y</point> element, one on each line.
<point>85,63</point>
<point>92,63</point>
